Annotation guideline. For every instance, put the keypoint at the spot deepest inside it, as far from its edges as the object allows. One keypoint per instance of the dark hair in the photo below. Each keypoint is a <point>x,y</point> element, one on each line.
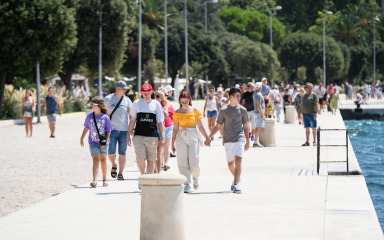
<point>185,94</point>
<point>26,92</point>
<point>211,88</point>
<point>233,91</point>
<point>101,104</point>
<point>50,88</point>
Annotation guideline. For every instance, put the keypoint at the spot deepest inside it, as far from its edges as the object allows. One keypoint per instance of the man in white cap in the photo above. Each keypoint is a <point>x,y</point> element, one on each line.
<point>258,100</point>
<point>119,106</point>
<point>170,90</point>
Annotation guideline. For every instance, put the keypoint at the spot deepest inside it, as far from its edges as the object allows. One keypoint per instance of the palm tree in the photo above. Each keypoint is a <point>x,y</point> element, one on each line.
<point>153,13</point>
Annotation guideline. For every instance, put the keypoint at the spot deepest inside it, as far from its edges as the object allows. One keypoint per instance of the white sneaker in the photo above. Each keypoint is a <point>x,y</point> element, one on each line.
<point>236,189</point>
<point>196,183</point>
<point>257,144</point>
<point>187,189</point>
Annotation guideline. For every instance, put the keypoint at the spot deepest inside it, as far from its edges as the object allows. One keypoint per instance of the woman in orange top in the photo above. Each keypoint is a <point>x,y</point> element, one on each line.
<point>186,137</point>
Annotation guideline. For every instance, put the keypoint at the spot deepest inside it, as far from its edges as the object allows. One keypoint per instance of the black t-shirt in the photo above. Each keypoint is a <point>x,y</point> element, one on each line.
<point>248,97</point>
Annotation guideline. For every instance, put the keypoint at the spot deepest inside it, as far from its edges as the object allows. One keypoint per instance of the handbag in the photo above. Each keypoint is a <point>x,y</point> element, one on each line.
<point>198,132</point>
<point>117,105</point>
<point>102,137</point>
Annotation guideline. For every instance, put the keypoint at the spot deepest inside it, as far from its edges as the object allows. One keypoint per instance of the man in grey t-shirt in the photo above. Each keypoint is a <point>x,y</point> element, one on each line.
<point>258,100</point>
<point>119,120</point>
<point>233,123</point>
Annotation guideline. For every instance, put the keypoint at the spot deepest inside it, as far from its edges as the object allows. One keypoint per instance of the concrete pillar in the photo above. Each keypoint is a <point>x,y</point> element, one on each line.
<point>291,114</point>
<point>162,207</point>
<point>268,134</point>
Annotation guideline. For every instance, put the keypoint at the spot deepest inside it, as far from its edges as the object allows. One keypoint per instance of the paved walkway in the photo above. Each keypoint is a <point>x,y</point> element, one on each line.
<point>283,198</point>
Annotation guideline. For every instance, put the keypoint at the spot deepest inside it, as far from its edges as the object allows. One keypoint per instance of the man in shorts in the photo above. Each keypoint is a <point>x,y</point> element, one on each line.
<point>258,101</point>
<point>265,91</point>
<point>247,102</point>
<point>119,106</point>
<point>233,121</point>
<point>146,117</point>
<point>52,103</point>
<point>309,109</point>
<point>321,95</point>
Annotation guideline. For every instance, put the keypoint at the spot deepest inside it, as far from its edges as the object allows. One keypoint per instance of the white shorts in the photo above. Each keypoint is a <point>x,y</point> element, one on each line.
<point>252,119</point>
<point>233,149</point>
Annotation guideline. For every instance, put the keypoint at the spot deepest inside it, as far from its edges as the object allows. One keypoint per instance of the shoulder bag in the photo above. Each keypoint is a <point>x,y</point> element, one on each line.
<point>102,138</point>
<point>118,104</point>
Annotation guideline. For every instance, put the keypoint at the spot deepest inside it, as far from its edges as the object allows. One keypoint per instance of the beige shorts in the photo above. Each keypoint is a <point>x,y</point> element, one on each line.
<point>145,147</point>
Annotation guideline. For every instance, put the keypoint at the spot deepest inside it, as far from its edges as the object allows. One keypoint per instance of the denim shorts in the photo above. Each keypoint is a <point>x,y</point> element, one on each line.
<point>95,149</point>
<point>259,120</point>
<point>118,137</point>
<point>309,122</point>
<point>168,131</point>
<point>211,114</point>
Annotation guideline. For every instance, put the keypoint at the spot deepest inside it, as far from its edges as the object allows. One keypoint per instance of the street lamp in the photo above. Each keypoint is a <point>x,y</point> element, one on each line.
<point>166,41</point>
<point>327,13</point>
<point>206,29</point>
<point>100,52</point>
<point>186,46</point>
<point>374,48</point>
<point>270,33</point>
<point>139,62</point>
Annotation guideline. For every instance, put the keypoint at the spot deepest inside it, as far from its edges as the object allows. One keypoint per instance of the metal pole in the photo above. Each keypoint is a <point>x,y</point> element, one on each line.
<point>374,50</point>
<point>206,29</point>
<point>270,34</point>
<point>346,132</point>
<point>318,150</point>
<point>100,53</point>
<point>139,63</point>
<point>324,51</point>
<point>186,47</point>
<point>166,41</point>
<point>38,91</point>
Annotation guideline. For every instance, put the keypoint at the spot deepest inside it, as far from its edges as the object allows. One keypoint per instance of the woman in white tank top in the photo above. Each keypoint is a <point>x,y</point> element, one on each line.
<point>27,108</point>
<point>211,104</point>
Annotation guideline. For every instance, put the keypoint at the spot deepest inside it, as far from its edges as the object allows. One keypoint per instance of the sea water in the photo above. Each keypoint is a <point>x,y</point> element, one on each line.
<point>369,150</point>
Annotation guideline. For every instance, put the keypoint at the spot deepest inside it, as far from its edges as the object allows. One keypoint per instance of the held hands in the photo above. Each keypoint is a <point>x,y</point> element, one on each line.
<point>204,115</point>
<point>207,142</point>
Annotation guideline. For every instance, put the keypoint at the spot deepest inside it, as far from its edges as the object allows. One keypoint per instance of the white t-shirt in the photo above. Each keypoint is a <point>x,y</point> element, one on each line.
<point>141,106</point>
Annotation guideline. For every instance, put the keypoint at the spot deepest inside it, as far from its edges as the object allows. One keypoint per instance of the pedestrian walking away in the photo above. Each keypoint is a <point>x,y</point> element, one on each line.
<point>52,103</point>
<point>186,140</point>
<point>146,117</point>
<point>247,102</point>
<point>119,106</point>
<point>233,118</point>
<point>28,106</point>
<point>211,104</point>
<point>99,126</point>
<point>258,101</point>
<point>309,109</point>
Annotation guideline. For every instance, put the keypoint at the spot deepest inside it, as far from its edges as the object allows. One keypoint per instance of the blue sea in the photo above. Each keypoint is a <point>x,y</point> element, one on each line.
<point>369,150</point>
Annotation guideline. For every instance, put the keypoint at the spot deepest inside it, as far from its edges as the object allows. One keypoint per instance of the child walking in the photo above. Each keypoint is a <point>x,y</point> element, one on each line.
<point>98,137</point>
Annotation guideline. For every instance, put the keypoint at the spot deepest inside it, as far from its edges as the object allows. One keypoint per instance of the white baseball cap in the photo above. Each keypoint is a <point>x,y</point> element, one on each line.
<point>258,85</point>
<point>169,88</point>
<point>264,78</point>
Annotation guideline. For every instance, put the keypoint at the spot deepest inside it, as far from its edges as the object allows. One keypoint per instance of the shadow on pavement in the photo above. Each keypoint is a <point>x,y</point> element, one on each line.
<point>110,193</point>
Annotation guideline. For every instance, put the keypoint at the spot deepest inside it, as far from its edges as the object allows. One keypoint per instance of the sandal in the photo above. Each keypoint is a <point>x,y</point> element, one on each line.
<point>305,144</point>
<point>166,167</point>
<point>105,184</point>
<point>314,144</point>
<point>120,177</point>
<point>93,184</point>
<point>114,173</point>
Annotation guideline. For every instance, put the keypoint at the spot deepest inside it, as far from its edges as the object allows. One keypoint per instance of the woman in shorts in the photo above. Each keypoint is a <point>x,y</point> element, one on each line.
<point>211,105</point>
<point>28,106</point>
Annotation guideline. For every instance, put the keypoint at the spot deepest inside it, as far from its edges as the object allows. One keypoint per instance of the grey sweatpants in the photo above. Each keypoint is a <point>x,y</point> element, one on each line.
<point>188,148</point>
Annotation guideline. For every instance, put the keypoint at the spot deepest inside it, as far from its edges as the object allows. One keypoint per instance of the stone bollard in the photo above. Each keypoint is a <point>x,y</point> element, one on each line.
<point>162,207</point>
<point>267,135</point>
<point>290,114</point>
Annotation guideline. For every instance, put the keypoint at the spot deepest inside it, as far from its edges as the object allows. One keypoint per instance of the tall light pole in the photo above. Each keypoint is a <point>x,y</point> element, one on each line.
<point>139,63</point>
<point>38,91</point>
<point>325,81</point>
<point>206,29</point>
<point>100,52</point>
<point>374,48</point>
<point>166,41</point>
<point>270,34</point>
<point>186,47</point>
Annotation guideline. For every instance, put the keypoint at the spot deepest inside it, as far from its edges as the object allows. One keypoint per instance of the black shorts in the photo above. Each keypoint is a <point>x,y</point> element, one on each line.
<point>321,101</point>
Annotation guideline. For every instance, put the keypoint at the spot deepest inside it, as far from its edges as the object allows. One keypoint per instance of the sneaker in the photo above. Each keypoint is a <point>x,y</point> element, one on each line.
<point>172,155</point>
<point>93,184</point>
<point>233,184</point>
<point>257,144</point>
<point>236,189</point>
<point>196,183</point>
<point>252,138</point>
<point>166,167</point>
<point>187,189</point>
<point>140,185</point>
<point>250,134</point>
<point>232,187</point>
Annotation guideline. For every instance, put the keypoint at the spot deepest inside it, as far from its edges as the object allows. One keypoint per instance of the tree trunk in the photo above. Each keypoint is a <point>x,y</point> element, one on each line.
<point>66,78</point>
<point>3,76</point>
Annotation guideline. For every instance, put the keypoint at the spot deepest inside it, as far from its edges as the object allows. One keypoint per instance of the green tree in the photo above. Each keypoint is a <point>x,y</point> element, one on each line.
<point>253,24</point>
<point>258,5</point>
<point>305,49</point>
<point>34,31</point>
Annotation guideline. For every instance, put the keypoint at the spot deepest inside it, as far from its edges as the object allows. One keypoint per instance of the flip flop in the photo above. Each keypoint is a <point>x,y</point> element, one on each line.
<point>105,184</point>
<point>120,177</point>
<point>114,173</point>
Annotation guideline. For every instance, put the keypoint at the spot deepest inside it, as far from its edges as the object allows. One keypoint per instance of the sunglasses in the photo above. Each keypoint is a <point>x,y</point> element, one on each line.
<point>184,102</point>
<point>157,96</point>
<point>94,104</point>
<point>166,95</point>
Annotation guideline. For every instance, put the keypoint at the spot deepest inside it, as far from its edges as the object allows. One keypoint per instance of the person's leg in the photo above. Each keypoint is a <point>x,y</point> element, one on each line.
<point>122,142</point>
<point>209,124</point>
<point>150,166</point>
<point>52,126</point>
<point>26,122</point>
<point>95,167</point>
<point>182,157</point>
<point>112,152</point>
<point>103,163</point>
<point>237,169</point>
<point>141,166</point>
<point>122,162</point>
<point>151,144</point>
<point>30,127</point>
<point>159,159</point>
<point>307,135</point>
<point>314,134</point>
<point>231,167</point>
<point>166,151</point>
<point>257,133</point>
<point>213,121</point>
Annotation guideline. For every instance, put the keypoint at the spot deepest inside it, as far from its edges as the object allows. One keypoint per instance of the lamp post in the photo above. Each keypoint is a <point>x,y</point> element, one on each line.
<point>166,41</point>
<point>139,61</point>
<point>325,81</point>
<point>186,46</point>
<point>206,29</point>
<point>270,34</point>
<point>374,48</point>
<point>100,52</point>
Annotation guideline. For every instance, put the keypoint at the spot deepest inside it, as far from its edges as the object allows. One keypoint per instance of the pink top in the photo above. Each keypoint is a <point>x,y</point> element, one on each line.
<point>168,121</point>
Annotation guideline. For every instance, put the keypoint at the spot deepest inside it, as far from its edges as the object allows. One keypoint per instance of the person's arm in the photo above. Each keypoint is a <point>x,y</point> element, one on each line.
<point>21,108</point>
<point>317,109</point>
<point>205,105</point>
<point>174,133</point>
<point>243,102</point>
<point>58,104</point>
<point>85,130</point>
<point>161,129</point>
<point>131,125</point>
<point>215,129</point>
<point>290,99</point>
<point>107,138</point>
<point>33,105</point>
<point>166,115</point>
<point>43,107</point>
<point>260,110</point>
<point>246,133</point>
<point>202,129</point>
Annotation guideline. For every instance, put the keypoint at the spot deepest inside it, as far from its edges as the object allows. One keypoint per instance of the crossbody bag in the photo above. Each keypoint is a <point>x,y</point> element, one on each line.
<point>102,138</point>
<point>118,104</point>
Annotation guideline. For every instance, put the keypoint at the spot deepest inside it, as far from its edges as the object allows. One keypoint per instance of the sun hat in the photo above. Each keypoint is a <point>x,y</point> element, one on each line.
<point>310,85</point>
<point>169,88</point>
<point>146,88</point>
<point>258,85</point>
<point>122,84</point>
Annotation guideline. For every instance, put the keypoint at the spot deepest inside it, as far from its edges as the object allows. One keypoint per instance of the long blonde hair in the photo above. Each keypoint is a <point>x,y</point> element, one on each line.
<point>101,104</point>
<point>163,100</point>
